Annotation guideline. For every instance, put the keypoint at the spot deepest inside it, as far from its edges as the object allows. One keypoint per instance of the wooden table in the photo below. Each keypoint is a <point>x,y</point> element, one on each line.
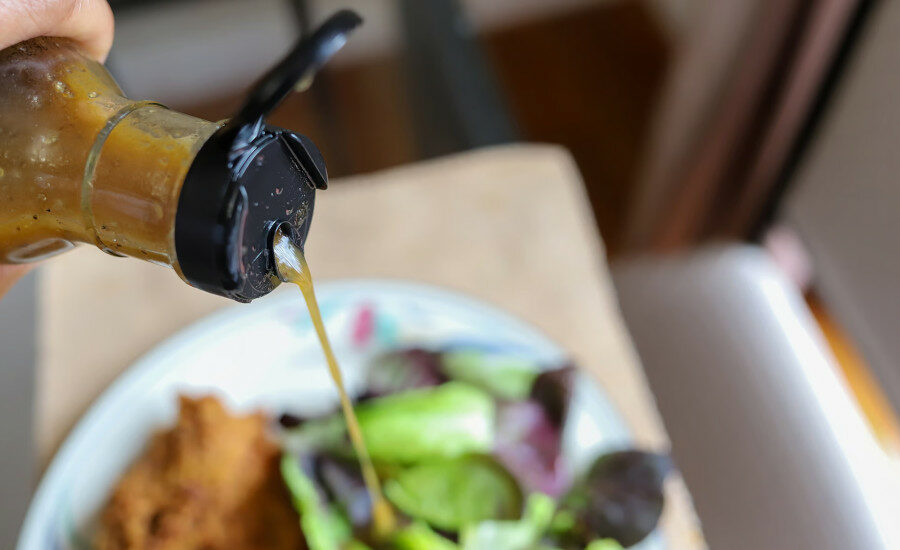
<point>509,225</point>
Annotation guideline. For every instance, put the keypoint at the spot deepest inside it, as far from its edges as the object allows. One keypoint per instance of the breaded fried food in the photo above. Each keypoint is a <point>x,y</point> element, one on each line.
<point>211,482</point>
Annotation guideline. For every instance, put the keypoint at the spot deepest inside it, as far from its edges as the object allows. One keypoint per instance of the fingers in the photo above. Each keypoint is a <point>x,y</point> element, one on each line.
<point>88,22</point>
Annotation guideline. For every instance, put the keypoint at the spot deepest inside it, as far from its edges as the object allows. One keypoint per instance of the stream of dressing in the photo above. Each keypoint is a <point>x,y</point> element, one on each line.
<point>292,267</point>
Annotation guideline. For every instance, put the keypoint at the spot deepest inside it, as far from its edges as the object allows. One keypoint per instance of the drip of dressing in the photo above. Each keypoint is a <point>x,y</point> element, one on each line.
<point>292,267</point>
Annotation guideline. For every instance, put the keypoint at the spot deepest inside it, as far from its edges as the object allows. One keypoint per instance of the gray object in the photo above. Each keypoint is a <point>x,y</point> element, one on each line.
<point>17,374</point>
<point>772,447</point>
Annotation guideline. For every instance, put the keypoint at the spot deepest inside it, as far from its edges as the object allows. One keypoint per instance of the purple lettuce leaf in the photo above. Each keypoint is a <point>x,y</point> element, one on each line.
<point>620,497</point>
<point>552,389</point>
<point>402,370</point>
<point>529,445</point>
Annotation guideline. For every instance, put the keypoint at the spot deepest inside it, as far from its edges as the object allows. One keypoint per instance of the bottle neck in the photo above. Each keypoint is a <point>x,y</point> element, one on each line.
<point>133,177</point>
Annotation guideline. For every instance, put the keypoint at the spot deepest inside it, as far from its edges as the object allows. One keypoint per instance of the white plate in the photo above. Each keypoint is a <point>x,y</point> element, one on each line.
<point>265,355</point>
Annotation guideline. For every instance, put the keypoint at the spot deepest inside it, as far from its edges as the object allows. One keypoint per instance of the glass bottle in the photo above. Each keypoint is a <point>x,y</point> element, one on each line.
<point>81,163</point>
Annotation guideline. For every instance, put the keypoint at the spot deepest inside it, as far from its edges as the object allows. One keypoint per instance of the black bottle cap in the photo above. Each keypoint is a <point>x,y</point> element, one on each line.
<point>250,178</point>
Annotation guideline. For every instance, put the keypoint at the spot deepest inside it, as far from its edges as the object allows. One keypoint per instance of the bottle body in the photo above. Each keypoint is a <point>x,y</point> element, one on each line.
<point>79,162</point>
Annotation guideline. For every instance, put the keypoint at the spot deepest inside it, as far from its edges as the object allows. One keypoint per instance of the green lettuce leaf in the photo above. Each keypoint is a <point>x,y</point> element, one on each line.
<point>604,544</point>
<point>419,536</point>
<point>451,494</point>
<point>431,423</point>
<point>323,527</point>
<point>523,534</point>
<point>440,422</point>
<point>504,376</point>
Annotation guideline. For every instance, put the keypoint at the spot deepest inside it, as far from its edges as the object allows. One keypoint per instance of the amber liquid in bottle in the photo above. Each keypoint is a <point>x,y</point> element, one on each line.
<point>79,162</point>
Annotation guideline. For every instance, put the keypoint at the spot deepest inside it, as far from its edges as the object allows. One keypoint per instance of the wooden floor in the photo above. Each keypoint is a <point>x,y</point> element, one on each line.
<point>587,80</point>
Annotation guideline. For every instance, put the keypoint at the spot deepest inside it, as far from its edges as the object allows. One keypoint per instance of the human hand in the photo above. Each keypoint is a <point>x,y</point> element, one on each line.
<point>88,22</point>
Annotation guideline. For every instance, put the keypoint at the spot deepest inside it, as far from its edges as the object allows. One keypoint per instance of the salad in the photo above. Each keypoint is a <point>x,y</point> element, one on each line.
<point>467,445</point>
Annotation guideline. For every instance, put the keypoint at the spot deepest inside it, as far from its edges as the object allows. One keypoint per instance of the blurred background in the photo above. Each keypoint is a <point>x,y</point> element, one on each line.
<point>691,121</point>
<point>423,79</point>
<point>739,159</point>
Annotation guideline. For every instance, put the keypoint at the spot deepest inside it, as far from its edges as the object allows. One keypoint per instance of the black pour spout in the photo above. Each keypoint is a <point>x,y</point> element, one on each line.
<point>250,178</point>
